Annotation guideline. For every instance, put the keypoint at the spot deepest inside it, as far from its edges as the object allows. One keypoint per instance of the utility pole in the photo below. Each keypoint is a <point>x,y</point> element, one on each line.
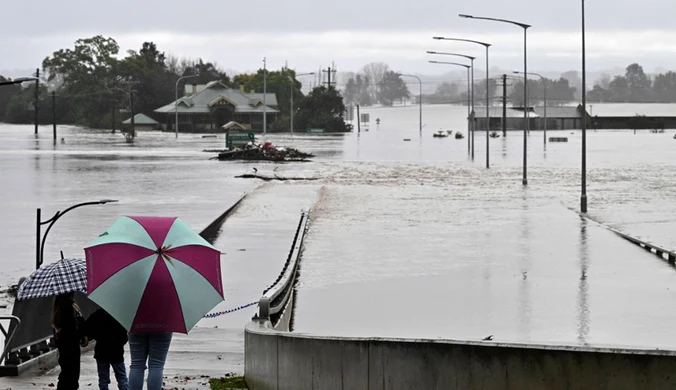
<point>358,120</point>
<point>131,105</point>
<point>329,72</point>
<point>54,113</point>
<point>504,105</point>
<point>265,94</point>
<point>37,92</point>
<point>113,116</point>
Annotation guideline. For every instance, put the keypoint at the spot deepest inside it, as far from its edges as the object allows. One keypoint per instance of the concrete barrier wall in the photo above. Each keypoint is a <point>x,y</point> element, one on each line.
<point>280,360</point>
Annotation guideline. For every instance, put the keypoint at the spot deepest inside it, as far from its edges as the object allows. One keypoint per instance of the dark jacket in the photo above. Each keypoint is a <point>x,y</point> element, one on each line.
<point>110,337</point>
<point>68,330</point>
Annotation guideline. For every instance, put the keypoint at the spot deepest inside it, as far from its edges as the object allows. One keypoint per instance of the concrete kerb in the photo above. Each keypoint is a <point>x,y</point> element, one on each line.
<point>281,360</point>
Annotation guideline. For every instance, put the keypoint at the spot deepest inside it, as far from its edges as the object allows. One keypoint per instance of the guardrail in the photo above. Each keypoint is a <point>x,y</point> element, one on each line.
<point>652,248</point>
<point>9,335</point>
<point>276,297</point>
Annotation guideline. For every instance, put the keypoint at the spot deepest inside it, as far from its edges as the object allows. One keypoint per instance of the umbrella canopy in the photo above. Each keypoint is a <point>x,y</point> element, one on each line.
<point>64,276</point>
<point>154,274</point>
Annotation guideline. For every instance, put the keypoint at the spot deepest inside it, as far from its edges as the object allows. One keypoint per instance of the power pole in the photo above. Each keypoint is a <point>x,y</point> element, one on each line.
<point>131,108</point>
<point>113,116</point>
<point>329,72</point>
<point>37,92</point>
<point>358,120</point>
<point>265,94</point>
<point>504,105</point>
<point>54,113</point>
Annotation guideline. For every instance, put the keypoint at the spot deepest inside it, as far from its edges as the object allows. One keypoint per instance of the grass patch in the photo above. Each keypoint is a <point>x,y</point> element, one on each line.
<point>229,382</point>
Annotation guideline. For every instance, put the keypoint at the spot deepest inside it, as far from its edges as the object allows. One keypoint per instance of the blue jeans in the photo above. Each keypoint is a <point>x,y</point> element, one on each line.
<point>151,348</point>
<point>104,375</point>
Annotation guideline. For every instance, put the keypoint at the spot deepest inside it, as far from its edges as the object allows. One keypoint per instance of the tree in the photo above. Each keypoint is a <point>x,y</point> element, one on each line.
<point>639,84</point>
<point>351,91</point>
<point>480,91</point>
<point>445,93</point>
<point>664,87</point>
<point>575,80</point>
<point>7,93</point>
<point>599,94</point>
<point>323,108</point>
<point>392,88</point>
<point>147,71</point>
<point>619,90</point>
<point>90,78</point>
<point>374,72</point>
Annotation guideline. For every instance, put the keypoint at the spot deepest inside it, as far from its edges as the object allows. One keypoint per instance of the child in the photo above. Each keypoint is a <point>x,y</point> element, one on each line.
<point>66,319</point>
<point>110,339</point>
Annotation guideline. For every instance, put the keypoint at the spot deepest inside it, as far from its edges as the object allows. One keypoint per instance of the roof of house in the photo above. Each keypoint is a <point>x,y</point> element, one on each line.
<point>496,112</point>
<point>233,124</point>
<point>558,112</point>
<point>141,119</point>
<point>216,93</point>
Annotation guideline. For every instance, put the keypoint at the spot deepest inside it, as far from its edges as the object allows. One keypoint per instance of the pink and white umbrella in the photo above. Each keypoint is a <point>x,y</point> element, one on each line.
<point>154,274</point>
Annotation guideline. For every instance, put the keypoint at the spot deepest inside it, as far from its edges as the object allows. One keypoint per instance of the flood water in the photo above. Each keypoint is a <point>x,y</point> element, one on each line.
<point>407,238</point>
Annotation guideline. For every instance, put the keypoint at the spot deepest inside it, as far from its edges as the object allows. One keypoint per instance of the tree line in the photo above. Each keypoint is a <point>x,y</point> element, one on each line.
<point>635,86</point>
<point>93,85</point>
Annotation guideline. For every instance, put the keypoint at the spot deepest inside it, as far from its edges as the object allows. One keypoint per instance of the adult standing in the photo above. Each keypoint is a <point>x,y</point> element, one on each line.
<point>151,349</point>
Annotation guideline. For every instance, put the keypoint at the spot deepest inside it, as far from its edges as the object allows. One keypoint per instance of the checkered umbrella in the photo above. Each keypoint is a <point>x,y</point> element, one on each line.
<point>62,277</point>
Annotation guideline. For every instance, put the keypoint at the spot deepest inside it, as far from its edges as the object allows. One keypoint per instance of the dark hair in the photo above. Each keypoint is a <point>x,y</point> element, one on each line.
<point>60,302</point>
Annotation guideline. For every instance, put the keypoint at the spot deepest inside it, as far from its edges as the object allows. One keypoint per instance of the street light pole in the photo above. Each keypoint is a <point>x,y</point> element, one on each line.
<point>470,122</point>
<point>583,197</point>
<point>488,119</point>
<point>40,240</point>
<point>526,129</point>
<point>292,89</point>
<point>419,98</point>
<point>176,101</point>
<point>265,95</point>
<point>468,84</point>
<point>544,83</point>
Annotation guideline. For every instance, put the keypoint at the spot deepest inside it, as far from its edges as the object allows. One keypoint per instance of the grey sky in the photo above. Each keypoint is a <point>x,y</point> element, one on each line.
<point>307,34</point>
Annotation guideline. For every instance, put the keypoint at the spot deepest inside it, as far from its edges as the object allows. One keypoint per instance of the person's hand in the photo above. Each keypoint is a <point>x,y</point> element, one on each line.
<point>85,342</point>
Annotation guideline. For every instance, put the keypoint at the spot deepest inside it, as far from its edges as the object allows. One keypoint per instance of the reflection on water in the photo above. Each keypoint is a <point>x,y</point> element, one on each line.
<point>582,300</point>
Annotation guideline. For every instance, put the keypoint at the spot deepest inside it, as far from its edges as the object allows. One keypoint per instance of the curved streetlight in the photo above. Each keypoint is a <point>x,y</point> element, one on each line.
<point>544,83</point>
<point>468,67</point>
<point>525,83</point>
<point>488,114</point>
<point>291,105</point>
<point>176,101</point>
<point>419,99</point>
<point>19,80</point>
<point>470,135</point>
<point>40,240</point>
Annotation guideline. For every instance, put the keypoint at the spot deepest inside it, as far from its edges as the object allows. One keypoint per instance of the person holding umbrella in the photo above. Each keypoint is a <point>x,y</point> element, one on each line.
<point>156,276</point>
<point>67,323</point>
<point>61,280</point>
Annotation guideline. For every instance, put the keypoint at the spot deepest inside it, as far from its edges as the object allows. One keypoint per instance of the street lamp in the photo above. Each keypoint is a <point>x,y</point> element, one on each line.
<point>176,101</point>
<point>291,105</point>
<point>419,99</point>
<point>544,82</point>
<point>468,67</point>
<point>583,197</point>
<point>18,80</point>
<point>488,114</point>
<point>525,83</point>
<point>40,240</point>
<point>470,134</point>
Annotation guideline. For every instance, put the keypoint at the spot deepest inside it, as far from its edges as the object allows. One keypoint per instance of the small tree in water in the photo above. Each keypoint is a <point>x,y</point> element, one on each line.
<point>323,108</point>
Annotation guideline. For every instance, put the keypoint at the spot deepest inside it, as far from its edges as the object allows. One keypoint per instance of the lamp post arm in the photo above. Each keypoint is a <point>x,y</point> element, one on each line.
<point>55,218</point>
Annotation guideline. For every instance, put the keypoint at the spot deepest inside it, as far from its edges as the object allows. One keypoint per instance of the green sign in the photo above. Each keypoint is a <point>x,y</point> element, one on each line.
<point>238,139</point>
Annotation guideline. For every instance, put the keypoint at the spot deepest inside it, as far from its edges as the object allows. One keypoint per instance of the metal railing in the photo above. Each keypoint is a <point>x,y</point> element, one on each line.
<point>8,335</point>
<point>276,297</point>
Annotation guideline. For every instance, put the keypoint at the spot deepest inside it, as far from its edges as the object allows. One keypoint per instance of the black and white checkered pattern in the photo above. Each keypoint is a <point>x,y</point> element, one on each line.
<point>64,276</point>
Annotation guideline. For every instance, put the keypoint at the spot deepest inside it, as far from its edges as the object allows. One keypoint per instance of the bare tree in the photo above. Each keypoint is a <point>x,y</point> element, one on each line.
<point>375,72</point>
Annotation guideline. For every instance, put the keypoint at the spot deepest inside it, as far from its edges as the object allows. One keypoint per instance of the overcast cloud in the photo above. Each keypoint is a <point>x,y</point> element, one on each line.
<point>309,34</point>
